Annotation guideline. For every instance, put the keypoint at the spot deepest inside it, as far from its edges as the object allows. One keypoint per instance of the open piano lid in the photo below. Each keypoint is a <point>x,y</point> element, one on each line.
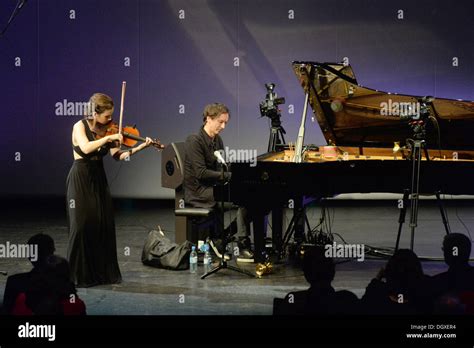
<point>353,115</point>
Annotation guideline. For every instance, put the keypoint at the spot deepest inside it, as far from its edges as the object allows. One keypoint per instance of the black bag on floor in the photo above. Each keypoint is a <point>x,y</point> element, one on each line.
<point>160,252</point>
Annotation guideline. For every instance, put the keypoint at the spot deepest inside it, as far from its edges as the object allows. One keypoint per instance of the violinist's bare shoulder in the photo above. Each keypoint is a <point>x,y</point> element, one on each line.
<point>78,127</point>
<point>79,136</point>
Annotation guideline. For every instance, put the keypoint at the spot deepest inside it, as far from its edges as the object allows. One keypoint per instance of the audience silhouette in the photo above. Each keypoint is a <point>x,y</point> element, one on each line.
<point>18,283</point>
<point>320,298</point>
<point>399,288</point>
<point>460,275</point>
<point>45,290</point>
<point>458,280</point>
<point>50,292</point>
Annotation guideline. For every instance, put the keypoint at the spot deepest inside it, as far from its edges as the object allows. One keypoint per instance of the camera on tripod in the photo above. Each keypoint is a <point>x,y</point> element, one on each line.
<point>418,118</point>
<point>417,111</point>
<point>269,107</point>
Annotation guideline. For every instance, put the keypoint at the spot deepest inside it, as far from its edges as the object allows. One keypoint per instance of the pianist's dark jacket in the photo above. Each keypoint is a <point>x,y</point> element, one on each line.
<point>201,170</point>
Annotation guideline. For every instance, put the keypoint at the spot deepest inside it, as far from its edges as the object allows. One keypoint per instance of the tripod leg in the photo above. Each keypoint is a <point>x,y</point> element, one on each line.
<point>307,223</point>
<point>212,271</point>
<point>271,141</point>
<point>297,225</point>
<point>415,189</point>
<point>289,231</point>
<point>224,265</point>
<point>443,213</point>
<point>401,219</point>
<point>427,156</point>
<point>282,137</point>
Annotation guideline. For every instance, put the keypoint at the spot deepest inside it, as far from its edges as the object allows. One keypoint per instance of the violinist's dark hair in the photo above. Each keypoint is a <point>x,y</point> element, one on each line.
<point>213,111</point>
<point>99,103</point>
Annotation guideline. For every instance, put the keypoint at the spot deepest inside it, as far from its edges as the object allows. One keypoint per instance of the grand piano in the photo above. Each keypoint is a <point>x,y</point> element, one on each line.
<point>369,137</point>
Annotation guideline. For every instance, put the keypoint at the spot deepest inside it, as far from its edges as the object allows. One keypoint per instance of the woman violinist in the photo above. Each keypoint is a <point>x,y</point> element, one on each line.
<point>92,251</point>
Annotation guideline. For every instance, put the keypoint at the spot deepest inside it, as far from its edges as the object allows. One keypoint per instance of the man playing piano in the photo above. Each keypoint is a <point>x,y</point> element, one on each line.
<point>202,172</point>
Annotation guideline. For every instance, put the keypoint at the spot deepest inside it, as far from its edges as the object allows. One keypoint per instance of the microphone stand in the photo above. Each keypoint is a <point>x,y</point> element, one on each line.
<point>225,239</point>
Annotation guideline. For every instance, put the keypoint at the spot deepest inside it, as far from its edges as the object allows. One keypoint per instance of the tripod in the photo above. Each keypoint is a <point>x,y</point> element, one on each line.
<point>276,135</point>
<point>417,147</point>
<point>225,240</point>
<point>297,221</point>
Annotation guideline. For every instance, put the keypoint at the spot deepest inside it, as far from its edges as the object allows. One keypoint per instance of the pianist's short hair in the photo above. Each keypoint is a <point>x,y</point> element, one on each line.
<point>214,110</point>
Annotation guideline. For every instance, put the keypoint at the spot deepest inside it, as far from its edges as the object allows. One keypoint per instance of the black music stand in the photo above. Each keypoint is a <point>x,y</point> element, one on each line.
<point>225,240</point>
<point>418,144</point>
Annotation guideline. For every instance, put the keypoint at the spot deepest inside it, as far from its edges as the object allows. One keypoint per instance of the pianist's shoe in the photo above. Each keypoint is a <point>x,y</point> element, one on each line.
<point>217,247</point>
<point>245,252</point>
<point>245,255</point>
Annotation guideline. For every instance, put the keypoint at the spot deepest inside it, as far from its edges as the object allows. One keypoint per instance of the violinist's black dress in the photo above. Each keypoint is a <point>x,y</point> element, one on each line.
<point>92,251</point>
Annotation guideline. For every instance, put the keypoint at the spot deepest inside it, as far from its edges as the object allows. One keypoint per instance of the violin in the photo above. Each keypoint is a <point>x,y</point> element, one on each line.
<point>131,134</point>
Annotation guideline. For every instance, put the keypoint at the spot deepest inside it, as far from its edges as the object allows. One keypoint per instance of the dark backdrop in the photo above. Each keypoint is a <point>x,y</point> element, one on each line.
<point>180,64</point>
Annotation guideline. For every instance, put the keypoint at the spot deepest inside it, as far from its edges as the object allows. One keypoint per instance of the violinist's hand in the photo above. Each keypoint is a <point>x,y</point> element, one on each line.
<point>115,137</point>
<point>148,141</point>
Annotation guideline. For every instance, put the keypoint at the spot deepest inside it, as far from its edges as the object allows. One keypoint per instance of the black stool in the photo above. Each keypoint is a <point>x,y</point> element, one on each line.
<point>197,220</point>
<point>189,222</point>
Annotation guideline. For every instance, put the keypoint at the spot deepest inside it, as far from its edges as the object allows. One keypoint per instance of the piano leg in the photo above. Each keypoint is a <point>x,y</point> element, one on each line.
<point>277,230</point>
<point>401,218</point>
<point>299,214</point>
<point>259,236</point>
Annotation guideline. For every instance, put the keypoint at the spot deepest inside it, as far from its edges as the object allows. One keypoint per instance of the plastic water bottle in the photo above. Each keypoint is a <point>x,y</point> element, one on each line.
<point>193,260</point>
<point>207,259</point>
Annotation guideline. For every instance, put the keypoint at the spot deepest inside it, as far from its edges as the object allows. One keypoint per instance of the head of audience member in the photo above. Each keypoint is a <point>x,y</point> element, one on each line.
<point>346,303</point>
<point>58,267</point>
<point>215,118</point>
<point>403,269</point>
<point>319,270</point>
<point>456,249</point>
<point>44,245</point>
<point>49,286</point>
<point>449,304</point>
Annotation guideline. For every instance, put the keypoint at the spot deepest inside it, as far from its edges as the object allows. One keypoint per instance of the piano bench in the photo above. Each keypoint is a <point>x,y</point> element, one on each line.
<point>191,212</point>
<point>197,222</point>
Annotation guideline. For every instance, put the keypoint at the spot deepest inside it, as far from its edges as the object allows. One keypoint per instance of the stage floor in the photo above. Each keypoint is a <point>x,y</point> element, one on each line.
<point>151,291</point>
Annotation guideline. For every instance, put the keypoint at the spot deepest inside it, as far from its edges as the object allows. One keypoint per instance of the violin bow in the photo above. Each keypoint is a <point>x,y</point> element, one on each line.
<point>124,85</point>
